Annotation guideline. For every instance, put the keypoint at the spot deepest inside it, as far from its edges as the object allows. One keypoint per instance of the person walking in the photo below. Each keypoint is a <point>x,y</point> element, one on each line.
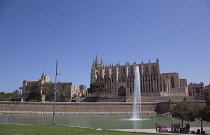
<point>156,126</point>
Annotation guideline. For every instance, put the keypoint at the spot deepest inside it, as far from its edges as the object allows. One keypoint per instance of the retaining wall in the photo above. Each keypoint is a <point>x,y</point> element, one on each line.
<point>85,107</point>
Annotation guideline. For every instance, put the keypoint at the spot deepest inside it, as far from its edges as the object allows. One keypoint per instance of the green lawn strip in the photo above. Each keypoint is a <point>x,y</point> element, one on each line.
<point>13,129</point>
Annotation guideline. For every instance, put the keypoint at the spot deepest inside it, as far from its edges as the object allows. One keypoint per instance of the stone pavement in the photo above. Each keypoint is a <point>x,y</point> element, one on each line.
<point>206,129</point>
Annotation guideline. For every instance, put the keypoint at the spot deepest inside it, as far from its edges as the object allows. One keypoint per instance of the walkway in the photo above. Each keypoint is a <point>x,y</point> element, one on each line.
<point>206,129</point>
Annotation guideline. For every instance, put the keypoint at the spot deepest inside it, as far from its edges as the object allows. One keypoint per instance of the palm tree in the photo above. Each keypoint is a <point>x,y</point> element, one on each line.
<point>81,87</point>
<point>81,90</point>
<point>20,88</point>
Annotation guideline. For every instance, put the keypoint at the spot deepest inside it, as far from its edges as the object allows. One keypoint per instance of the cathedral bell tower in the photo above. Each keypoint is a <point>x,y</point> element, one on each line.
<point>94,70</point>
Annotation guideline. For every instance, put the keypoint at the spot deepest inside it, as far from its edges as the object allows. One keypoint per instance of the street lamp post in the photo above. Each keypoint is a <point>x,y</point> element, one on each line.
<point>54,106</point>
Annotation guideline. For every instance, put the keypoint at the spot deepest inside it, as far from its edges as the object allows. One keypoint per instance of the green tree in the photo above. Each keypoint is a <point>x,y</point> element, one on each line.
<point>62,92</point>
<point>16,93</point>
<point>50,94</point>
<point>2,95</point>
<point>81,90</point>
<point>74,96</point>
<point>97,88</point>
<point>207,98</point>
<point>184,112</point>
<point>35,93</point>
<point>7,95</point>
<point>203,113</point>
<point>81,87</point>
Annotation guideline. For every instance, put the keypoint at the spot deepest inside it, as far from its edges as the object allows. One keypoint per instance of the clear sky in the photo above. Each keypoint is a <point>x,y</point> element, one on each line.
<point>35,33</point>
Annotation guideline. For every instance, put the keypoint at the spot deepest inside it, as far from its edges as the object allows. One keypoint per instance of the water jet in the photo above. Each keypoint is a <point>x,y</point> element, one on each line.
<point>137,96</point>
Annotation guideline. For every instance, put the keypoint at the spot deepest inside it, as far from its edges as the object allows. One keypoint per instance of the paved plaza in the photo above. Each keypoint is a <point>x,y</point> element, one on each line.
<point>206,129</point>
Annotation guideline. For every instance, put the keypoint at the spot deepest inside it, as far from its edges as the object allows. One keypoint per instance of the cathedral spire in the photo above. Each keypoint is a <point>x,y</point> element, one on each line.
<point>102,64</point>
<point>93,65</point>
<point>157,60</point>
<point>127,62</point>
<point>96,60</point>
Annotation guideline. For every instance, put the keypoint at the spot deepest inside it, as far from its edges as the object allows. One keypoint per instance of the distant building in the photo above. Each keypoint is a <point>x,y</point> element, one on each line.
<point>184,86</point>
<point>183,82</point>
<point>119,79</point>
<point>207,88</point>
<point>196,89</point>
<point>27,85</point>
<point>66,90</point>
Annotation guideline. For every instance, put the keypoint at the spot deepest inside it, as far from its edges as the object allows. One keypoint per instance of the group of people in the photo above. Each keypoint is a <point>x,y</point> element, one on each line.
<point>187,126</point>
<point>198,132</point>
<point>160,128</point>
<point>176,128</point>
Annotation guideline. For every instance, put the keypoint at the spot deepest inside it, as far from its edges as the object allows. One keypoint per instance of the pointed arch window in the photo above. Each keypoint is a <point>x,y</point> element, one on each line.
<point>172,82</point>
<point>123,70</point>
<point>122,78</point>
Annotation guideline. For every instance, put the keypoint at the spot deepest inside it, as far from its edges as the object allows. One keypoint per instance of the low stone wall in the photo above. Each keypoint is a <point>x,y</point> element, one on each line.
<point>80,107</point>
<point>165,98</point>
<point>145,98</point>
<point>69,108</point>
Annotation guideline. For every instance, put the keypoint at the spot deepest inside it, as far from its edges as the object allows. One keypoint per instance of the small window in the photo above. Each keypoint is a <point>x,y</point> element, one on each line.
<point>147,69</point>
<point>131,69</point>
<point>153,67</point>
<point>123,70</point>
<point>172,82</point>
<point>122,79</point>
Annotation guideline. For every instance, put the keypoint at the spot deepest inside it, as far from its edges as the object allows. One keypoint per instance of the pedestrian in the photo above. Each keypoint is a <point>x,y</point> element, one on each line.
<point>188,127</point>
<point>178,127</point>
<point>172,128</point>
<point>156,126</point>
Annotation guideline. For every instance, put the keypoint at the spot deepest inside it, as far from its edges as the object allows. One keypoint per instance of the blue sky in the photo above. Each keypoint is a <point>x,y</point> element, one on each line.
<point>35,33</point>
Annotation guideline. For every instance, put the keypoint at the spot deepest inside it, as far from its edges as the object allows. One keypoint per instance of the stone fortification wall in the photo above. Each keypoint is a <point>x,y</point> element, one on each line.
<point>80,107</point>
<point>85,107</point>
<point>146,98</point>
<point>165,98</point>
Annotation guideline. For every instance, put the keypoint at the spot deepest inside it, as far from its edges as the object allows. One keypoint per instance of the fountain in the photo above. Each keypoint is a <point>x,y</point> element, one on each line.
<point>137,96</point>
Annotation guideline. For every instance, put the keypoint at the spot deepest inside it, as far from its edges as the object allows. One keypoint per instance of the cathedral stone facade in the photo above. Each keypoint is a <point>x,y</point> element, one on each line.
<point>119,79</point>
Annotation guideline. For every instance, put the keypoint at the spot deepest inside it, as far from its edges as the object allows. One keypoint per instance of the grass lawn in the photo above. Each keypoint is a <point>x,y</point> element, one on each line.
<point>13,129</point>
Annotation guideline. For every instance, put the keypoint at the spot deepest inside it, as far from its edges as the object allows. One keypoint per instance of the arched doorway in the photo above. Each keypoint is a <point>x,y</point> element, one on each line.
<point>121,91</point>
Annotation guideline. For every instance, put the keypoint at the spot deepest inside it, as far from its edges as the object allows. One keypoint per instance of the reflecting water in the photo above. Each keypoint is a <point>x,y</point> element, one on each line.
<point>99,121</point>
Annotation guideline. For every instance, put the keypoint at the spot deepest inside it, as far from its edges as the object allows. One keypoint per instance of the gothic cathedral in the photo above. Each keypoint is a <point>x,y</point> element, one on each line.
<point>119,79</point>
